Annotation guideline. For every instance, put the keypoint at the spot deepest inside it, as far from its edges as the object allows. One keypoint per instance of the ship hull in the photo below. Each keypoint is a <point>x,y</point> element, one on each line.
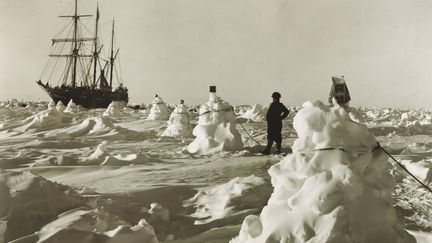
<point>85,97</point>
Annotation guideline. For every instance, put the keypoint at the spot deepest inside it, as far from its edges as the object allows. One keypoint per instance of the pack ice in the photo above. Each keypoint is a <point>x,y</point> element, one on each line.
<point>256,114</point>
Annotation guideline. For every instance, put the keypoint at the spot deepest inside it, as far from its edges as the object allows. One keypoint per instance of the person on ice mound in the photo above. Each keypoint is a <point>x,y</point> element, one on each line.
<point>339,93</point>
<point>178,123</point>
<point>216,129</point>
<point>275,114</point>
<point>334,188</point>
<point>159,110</point>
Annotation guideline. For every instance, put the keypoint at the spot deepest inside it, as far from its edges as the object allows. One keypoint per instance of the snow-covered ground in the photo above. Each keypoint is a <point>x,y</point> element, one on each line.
<point>110,176</point>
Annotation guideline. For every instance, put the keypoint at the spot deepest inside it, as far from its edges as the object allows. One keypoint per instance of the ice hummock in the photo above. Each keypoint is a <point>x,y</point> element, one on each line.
<point>335,187</point>
<point>159,110</point>
<point>256,114</point>
<point>29,201</point>
<point>114,109</point>
<point>178,123</point>
<point>52,105</point>
<point>130,139</point>
<point>71,107</point>
<point>98,127</point>
<point>396,121</point>
<point>216,129</point>
<point>60,106</point>
<point>44,120</point>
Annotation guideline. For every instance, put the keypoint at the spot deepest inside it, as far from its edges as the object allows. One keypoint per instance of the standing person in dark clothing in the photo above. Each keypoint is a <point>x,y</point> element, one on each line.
<point>275,114</point>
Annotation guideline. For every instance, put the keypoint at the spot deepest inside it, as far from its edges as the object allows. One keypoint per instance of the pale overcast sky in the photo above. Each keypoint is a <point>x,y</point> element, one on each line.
<point>248,48</point>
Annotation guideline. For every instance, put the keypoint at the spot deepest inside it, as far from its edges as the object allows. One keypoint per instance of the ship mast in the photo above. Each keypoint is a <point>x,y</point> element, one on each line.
<point>75,44</point>
<point>71,44</point>
<point>76,41</point>
<point>95,54</point>
<point>112,55</point>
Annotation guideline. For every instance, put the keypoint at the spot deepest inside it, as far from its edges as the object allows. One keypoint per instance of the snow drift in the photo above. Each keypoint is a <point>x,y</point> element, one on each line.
<point>45,120</point>
<point>88,226</point>
<point>29,201</point>
<point>217,202</point>
<point>99,127</point>
<point>103,157</point>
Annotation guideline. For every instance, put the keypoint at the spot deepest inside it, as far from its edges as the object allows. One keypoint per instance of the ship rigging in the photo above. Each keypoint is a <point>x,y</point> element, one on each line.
<point>82,77</point>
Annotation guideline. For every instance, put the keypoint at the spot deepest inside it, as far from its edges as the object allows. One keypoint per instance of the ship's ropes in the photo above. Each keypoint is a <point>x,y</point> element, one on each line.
<point>244,129</point>
<point>59,50</point>
<point>45,69</point>
<point>375,148</point>
<point>405,169</point>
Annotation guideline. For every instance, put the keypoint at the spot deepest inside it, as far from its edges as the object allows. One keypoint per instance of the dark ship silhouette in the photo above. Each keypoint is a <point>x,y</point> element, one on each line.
<point>82,77</point>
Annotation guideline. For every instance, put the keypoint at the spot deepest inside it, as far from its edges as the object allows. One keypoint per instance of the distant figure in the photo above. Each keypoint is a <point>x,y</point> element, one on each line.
<point>339,93</point>
<point>275,114</point>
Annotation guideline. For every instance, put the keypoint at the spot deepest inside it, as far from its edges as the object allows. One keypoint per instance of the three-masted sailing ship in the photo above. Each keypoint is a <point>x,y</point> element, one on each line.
<point>82,76</point>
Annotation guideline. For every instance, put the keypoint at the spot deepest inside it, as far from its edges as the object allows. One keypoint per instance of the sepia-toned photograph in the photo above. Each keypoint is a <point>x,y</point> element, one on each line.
<point>215,121</point>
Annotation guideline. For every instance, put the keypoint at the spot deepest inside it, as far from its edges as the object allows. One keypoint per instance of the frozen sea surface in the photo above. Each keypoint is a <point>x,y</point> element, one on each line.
<point>119,165</point>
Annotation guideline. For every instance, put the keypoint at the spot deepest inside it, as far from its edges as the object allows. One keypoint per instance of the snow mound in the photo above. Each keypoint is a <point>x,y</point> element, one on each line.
<point>29,201</point>
<point>142,232</point>
<point>159,110</point>
<point>422,237</point>
<point>217,202</point>
<point>130,159</point>
<point>159,213</point>
<point>81,129</point>
<point>114,109</point>
<point>44,120</point>
<point>102,125</point>
<point>88,226</point>
<point>335,187</point>
<point>178,123</point>
<point>98,156</point>
<point>52,105</point>
<point>103,157</point>
<point>71,107</point>
<point>60,106</point>
<point>421,169</point>
<point>240,109</point>
<point>256,114</point>
<point>99,127</point>
<point>216,129</point>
